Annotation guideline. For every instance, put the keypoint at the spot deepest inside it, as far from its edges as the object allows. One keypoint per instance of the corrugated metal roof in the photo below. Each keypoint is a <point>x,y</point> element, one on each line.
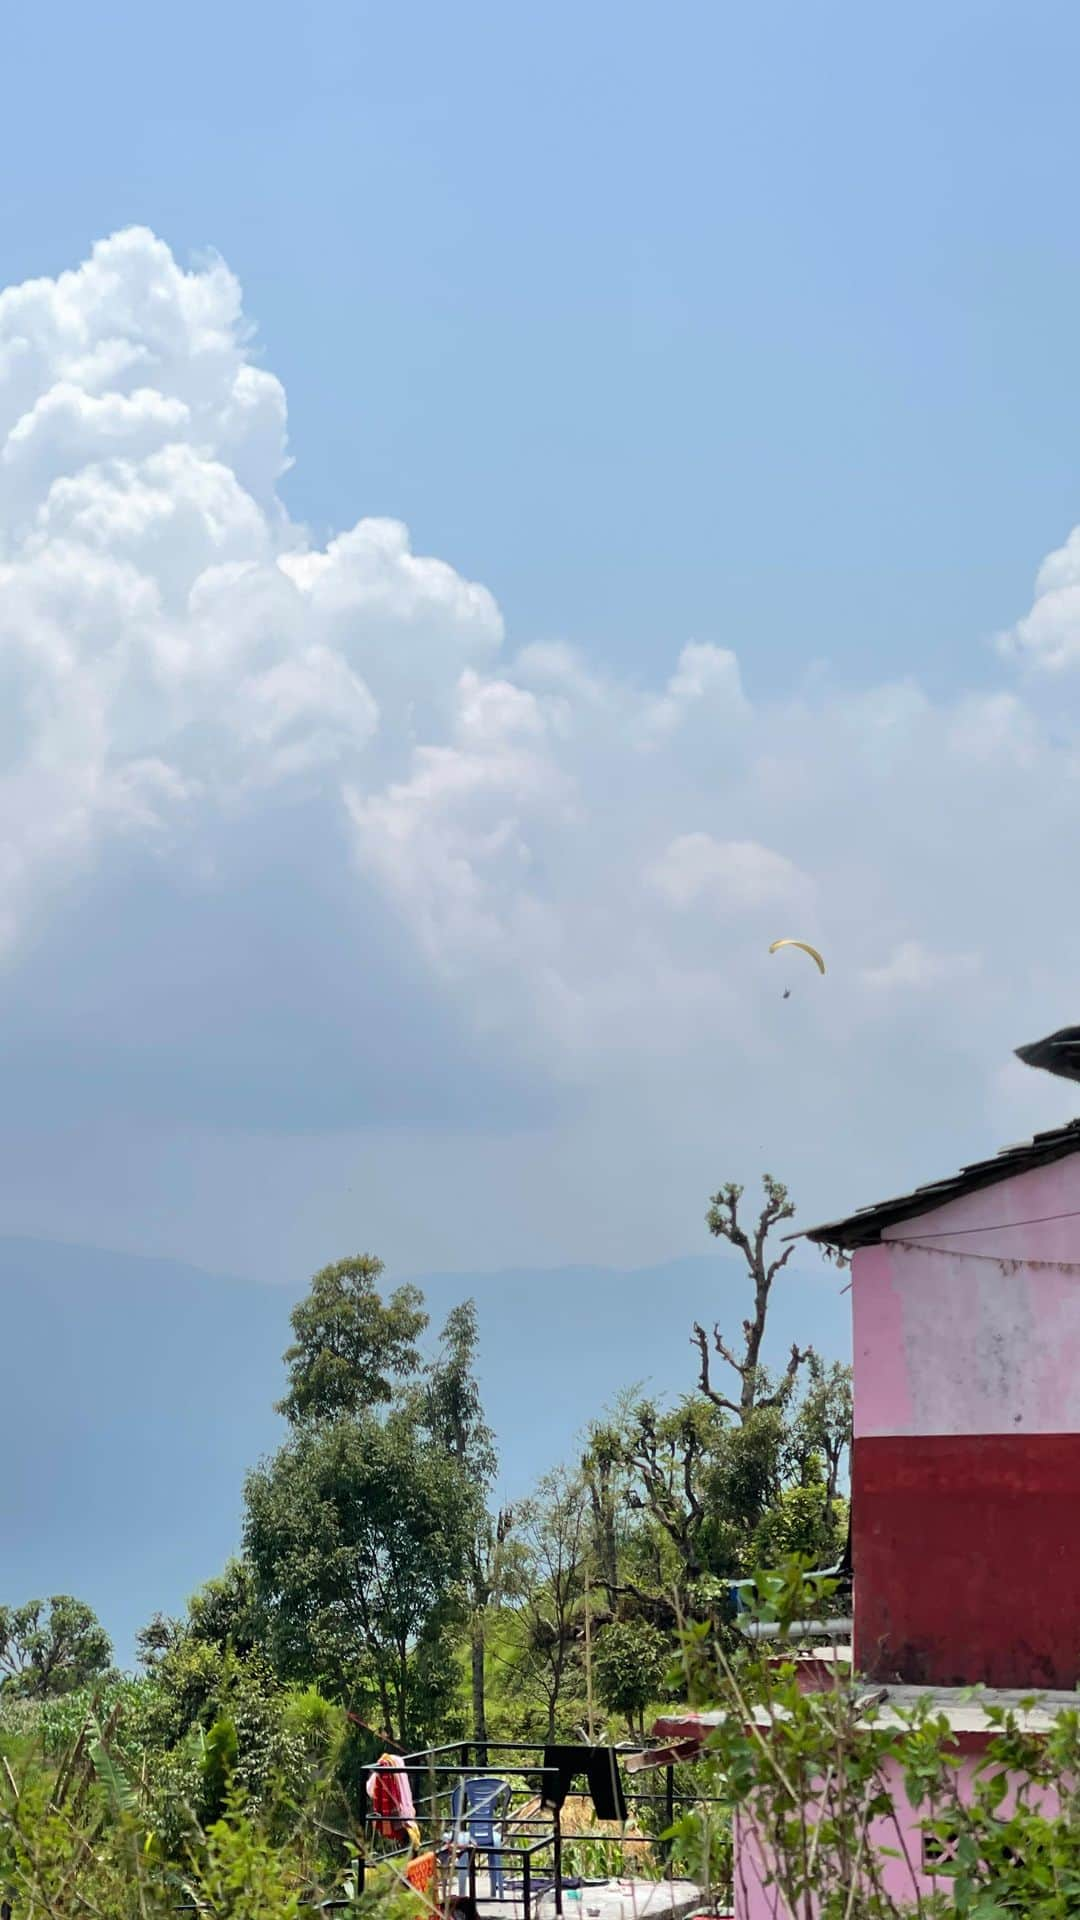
<point>866,1227</point>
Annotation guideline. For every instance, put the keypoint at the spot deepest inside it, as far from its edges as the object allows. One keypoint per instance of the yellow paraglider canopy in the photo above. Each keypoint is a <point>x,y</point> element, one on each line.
<point>804,947</point>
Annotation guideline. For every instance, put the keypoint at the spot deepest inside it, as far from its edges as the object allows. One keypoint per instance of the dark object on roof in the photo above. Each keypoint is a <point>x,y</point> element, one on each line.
<point>1059,1053</point>
<point>865,1228</point>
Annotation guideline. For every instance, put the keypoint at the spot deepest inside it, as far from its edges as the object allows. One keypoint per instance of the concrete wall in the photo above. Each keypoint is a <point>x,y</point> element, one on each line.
<point>966,1468</point>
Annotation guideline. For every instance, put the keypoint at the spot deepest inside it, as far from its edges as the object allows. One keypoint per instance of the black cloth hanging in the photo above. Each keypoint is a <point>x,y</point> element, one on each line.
<point>560,1766</point>
<point>605,1784</point>
<point>600,1765</point>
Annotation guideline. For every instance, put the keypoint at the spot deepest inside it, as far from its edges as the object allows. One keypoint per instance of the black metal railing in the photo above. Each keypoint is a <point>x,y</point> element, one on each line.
<point>531,1856</point>
<point>526,1848</point>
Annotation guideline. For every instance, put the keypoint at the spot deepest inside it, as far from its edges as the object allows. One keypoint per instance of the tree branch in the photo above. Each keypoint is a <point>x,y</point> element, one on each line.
<point>798,1356</point>
<point>725,1352</point>
<point>699,1339</point>
<point>722,1219</point>
<point>775,1265</point>
<point>688,1481</point>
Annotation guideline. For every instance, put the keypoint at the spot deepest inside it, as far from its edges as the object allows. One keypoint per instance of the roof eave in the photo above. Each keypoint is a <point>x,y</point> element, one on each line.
<point>868,1226</point>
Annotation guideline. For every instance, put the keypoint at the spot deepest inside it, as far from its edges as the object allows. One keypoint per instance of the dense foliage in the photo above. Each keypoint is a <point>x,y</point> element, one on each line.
<point>49,1647</point>
<point>851,1807</point>
<point>380,1595</point>
<point>376,1571</point>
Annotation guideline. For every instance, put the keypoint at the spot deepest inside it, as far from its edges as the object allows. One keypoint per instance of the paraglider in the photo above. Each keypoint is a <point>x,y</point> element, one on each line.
<point>804,947</point>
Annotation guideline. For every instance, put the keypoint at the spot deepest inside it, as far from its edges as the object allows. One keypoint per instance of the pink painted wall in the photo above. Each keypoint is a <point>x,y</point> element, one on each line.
<point>948,1343</point>
<point>964,1553</point>
<point>754,1900</point>
<point>966,1464</point>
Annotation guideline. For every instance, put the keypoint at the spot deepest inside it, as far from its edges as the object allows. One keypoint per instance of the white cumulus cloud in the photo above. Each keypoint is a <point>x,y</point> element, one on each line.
<point>1048,635</point>
<point>726,876</point>
<point>913,966</point>
<point>164,631</point>
<point>581,872</point>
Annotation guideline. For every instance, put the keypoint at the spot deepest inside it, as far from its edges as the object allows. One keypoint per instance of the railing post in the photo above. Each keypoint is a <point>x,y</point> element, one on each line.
<point>365,1811</point>
<point>669,1804</point>
<point>557,1851</point>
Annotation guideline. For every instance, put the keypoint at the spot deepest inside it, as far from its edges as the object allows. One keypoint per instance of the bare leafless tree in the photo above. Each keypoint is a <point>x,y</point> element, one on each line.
<point>724,1223</point>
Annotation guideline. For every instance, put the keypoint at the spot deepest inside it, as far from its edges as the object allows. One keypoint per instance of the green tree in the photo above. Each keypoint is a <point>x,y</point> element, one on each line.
<point>222,1613</point>
<point>51,1646</point>
<point>224,1610</point>
<point>161,1634</point>
<point>629,1663</point>
<point>454,1416</point>
<point>549,1588</point>
<point>804,1521</point>
<point>666,1454</point>
<point>699,1486</point>
<point>211,1720</point>
<point>358,1536</point>
<point>823,1423</point>
<point>603,1466</point>
<point>353,1350</point>
<point>453,1410</point>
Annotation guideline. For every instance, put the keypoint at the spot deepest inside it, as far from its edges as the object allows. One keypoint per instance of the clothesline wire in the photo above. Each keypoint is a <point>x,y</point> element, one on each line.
<point>998,1259</point>
<point>998,1226</point>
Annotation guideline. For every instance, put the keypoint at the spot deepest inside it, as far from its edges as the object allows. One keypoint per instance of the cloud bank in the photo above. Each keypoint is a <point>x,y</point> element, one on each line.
<point>272,814</point>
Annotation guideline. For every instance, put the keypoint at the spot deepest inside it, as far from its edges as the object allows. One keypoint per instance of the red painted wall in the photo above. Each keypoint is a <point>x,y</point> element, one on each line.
<point>967,1559</point>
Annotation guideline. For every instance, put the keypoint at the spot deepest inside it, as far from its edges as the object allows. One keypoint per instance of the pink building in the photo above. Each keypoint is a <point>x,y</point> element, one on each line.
<point>966,1460</point>
<point>966,1457</point>
<point>909,1865</point>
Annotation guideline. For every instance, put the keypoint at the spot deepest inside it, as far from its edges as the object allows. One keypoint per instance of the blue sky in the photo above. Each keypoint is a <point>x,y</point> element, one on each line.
<point>502,514</point>
<point>718,321</point>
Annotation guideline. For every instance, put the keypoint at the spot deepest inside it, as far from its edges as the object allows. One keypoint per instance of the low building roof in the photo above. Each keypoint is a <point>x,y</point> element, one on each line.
<point>866,1227</point>
<point>966,1710</point>
<point>1059,1054</point>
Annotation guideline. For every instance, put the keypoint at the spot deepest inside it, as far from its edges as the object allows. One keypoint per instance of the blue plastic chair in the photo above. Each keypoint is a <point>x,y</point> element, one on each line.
<point>476,1807</point>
